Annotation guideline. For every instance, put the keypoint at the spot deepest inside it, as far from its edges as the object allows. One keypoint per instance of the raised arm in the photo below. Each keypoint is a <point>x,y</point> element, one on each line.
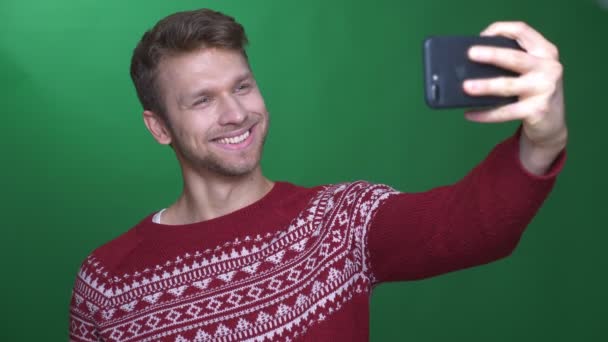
<point>472,222</point>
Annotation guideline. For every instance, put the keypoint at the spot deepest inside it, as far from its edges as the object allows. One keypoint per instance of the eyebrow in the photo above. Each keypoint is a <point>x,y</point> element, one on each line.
<point>205,91</point>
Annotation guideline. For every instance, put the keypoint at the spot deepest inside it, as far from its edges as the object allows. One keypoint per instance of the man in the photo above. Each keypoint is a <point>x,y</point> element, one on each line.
<point>240,257</point>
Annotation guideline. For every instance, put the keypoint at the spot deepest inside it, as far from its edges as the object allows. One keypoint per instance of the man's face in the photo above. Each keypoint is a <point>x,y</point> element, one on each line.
<point>217,116</point>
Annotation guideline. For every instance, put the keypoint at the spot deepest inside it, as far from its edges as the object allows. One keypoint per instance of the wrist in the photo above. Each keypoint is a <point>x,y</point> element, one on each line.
<point>537,158</point>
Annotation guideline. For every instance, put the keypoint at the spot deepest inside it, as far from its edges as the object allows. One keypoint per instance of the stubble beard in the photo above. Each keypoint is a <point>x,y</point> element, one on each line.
<point>214,164</point>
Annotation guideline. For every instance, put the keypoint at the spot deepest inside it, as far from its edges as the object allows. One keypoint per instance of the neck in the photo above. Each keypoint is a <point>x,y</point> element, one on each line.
<point>205,197</point>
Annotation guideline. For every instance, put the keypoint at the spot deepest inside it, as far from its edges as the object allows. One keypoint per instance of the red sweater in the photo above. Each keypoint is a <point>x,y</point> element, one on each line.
<point>300,263</point>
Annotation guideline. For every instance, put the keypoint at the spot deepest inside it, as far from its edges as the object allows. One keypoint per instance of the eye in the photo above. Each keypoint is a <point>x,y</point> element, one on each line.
<point>243,86</point>
<point>201,101</point>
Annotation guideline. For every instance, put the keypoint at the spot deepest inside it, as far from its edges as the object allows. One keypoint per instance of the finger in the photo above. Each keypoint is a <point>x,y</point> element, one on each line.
<point>501,114</point>
<point>511,59</point>
<point>529,39</point>
<point>521,110</point>
<point>498,86</point>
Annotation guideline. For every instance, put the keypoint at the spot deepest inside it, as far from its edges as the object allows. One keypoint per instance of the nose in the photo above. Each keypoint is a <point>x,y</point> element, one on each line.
<point>232,111</point>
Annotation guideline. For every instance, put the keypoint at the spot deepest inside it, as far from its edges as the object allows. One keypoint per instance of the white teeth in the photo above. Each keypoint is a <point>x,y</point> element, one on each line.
<point>234,140</point>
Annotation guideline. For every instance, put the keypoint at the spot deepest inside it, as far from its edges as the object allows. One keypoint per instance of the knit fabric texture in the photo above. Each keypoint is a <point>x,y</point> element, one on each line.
<point>300,263</point>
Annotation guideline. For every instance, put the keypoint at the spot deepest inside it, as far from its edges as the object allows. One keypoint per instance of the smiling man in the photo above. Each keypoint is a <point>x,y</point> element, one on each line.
<point>215,118</point>
<point>240,257</point>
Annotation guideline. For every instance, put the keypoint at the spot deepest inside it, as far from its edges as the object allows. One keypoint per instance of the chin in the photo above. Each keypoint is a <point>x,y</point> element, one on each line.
<point>233,171</point>
<point>222,164</point>
<point>223,167</point>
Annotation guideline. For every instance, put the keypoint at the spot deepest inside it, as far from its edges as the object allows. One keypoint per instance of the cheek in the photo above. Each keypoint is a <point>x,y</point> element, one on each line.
<point>192,128</point>
<point>255,103</point>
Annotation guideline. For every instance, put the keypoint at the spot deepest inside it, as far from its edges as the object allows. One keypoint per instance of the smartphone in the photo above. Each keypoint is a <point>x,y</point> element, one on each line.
<point>447,65</point>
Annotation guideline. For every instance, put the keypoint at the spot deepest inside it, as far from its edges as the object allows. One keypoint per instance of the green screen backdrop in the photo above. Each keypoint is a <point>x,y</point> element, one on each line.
<point>343,83</point>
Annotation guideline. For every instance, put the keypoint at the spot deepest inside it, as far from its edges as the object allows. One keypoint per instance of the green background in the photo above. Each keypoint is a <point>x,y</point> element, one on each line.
<point>343,83</point>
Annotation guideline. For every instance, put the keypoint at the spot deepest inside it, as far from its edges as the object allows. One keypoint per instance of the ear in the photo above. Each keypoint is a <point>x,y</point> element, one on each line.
<point>156,125</point>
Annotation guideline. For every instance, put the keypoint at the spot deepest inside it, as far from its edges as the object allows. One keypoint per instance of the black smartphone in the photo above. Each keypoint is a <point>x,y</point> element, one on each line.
<point>447,65</point>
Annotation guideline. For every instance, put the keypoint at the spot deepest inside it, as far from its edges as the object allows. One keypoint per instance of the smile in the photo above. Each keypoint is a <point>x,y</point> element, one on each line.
<point>235,140</point>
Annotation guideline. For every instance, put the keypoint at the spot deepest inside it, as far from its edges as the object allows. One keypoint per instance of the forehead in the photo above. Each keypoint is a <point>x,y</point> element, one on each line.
<point>210,67</point>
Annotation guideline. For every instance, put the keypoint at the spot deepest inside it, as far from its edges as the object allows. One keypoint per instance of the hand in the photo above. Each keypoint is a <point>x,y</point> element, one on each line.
<point>539,86</point>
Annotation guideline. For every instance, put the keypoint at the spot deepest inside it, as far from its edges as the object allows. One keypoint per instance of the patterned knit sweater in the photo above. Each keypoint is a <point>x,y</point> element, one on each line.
<point>300,263</point>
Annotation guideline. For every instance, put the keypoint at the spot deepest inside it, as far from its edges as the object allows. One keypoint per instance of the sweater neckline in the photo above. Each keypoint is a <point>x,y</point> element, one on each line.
<point>266,203</point>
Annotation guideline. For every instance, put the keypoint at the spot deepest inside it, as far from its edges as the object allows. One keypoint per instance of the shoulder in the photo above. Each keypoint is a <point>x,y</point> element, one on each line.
<point>108,256</point>
<point>362,190</point>
<point>358,197</point>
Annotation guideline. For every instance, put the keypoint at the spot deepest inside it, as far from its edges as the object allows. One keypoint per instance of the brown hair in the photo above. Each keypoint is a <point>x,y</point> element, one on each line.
<point>179,33</point>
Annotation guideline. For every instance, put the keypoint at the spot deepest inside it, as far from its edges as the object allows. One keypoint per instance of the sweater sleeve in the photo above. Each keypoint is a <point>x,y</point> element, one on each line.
<point>477,220</point>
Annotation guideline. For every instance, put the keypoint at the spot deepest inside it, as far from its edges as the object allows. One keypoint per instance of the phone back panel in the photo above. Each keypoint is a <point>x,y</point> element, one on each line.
<point>446,66</point>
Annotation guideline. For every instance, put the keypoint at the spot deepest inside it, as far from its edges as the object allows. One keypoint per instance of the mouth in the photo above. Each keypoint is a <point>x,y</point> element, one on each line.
<point>236,141</point>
